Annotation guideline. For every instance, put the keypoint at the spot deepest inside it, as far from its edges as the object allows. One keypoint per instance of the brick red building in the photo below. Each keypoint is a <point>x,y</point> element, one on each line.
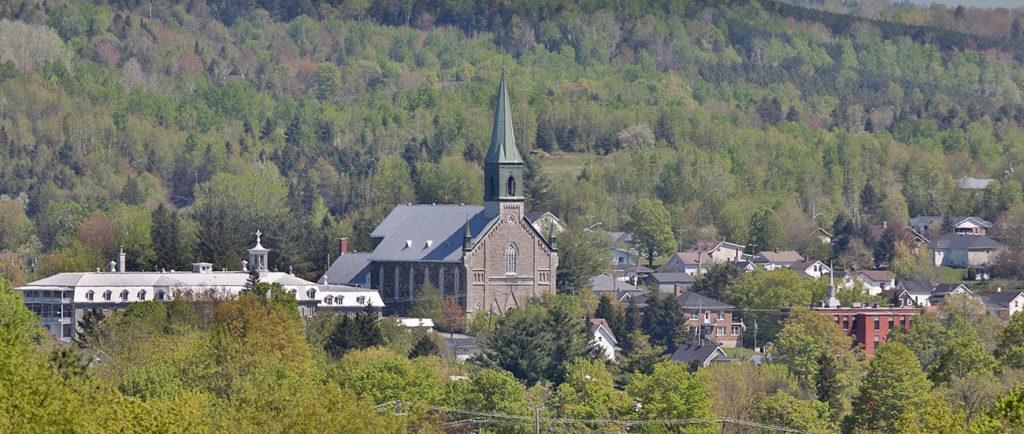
<point>870,325</point>
<point>713,318</point>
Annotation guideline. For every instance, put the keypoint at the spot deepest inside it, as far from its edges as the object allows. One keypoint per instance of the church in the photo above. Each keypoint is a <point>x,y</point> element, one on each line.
<point>489,258</point>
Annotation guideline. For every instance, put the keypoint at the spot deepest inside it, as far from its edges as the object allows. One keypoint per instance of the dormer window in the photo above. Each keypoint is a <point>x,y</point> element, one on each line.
<point>328,300</point>
<point>311,293</point>
<point>361,300</point>
<point>107,295</point>
<point>89,295</point>
<point>160,295</point>
<point>142,295</point>
<point>124,295</point>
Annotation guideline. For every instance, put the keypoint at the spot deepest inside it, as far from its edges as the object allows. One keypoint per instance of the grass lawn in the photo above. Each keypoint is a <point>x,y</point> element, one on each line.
<point>566,164</point>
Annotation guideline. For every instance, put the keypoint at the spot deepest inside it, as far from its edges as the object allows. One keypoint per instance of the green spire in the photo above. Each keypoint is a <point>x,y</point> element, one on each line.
<point>503,141</point>
<point>467,241</point>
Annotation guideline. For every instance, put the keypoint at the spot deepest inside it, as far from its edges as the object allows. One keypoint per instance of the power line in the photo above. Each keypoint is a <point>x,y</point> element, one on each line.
<point>478,417</point>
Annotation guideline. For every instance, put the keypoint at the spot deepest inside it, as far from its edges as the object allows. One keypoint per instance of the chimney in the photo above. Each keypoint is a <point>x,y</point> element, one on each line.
<point>342,246</point>
<point>120,261</point>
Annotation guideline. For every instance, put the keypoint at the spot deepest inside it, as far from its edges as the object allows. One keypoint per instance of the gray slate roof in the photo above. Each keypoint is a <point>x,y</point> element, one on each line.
<point>693,300</point>
<point>673,278</point>
<point>964,242</point>
<point>349,268</point>
<point>687,353</point>
<point>405,232</point>
<point>604,283</point>
<point>1000,299</point>
<point>919,287</point>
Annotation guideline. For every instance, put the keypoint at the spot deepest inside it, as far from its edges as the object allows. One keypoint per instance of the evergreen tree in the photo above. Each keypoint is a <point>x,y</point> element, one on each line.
<point>713,281</point>
<point>631,322</point>
<point>166,237</point>
<point>663,322</point>
<point>425,346</point>
<point>610,312</point>
<point>89,326</point>
<point>427,303</point>
<point>361,331</point>
<point>132,193</point>
<point>828,386</point>
<point>253,281</point>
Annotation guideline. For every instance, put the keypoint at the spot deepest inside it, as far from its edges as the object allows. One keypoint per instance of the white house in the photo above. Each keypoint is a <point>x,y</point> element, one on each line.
<point>811,268</point>
<point>876,281</point>
<point>705,253</point>
<point>775,259</point>
<point>604,338</point>
<point>1004,304</point>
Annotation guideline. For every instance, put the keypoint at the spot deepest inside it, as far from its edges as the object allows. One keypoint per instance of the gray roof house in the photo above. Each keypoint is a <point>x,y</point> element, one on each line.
<point>667,282</point>
<point>962,251</point>
<point>1004,304</point>
<point>700,354</point>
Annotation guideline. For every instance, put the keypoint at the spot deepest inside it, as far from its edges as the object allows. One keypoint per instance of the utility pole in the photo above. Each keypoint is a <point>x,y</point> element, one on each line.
<point>536,418</point>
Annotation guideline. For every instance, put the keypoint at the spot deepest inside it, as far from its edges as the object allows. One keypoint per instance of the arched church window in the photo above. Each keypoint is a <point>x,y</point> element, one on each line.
<point>510,258</point>
<point>511,186</point>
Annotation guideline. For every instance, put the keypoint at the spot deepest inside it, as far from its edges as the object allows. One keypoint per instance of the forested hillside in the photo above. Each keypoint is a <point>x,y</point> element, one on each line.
<point>177,130</point>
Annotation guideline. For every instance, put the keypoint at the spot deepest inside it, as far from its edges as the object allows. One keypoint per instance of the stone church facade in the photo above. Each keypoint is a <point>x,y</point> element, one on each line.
<point>489,258</point>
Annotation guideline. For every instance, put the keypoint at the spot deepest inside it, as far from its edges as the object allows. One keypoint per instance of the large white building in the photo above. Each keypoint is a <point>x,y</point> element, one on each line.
<point>63,299</point>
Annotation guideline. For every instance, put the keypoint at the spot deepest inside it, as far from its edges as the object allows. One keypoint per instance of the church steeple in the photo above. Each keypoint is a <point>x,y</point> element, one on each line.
<point>503,139</point>
<point>503,165</point>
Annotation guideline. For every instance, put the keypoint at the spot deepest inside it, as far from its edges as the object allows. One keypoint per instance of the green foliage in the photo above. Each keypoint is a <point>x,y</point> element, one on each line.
<point>383,376</point>
<point>611,312</point>
<point>490,390</point>
<point>670,392</point>
<point>782,409</point>
<point>642,356</point>
<point>1007,415</point>
<point>427,303</point>
<point>713,281</point>
<point>587,392</point>
<point>361,331</point>
<point>20,324</point>
<point>582,254</point>
<point>537,341</point>
<point>771,290</point>
<point>664,322</point>
<point>893,385</point>
<point>807,337</point>
<point>765,230</point>
<point>959,358</point>
<point>652,232</point>
<point>1010,349</point>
